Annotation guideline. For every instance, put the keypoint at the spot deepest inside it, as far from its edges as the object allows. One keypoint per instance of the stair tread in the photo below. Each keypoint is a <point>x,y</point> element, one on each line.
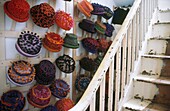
<point>159,38</point>
<point>136,104</point>
<point>157,107</point>
<point>156,56</point>
<point>153,79</point>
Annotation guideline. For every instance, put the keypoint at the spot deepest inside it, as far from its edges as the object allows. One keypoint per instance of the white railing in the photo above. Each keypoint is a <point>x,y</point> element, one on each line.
<point>118,61</point>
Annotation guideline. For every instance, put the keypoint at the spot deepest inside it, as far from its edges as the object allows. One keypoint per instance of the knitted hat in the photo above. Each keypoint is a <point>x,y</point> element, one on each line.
<point>45,72</point>
<point>53,42</point>
<point>87,25</point>
<point>64,20</point>
<point>82,82</point>
<point>28,44</point>
<point>65,63</point>
<point>43,15</point>
<point>17,10</point>
<point>98,9</point>
<point>88,64</point>
<point>85,7</point>
<point>90,44</point>
<point>70,41</point>
<point>103,45</point>
<point>39,96</point>
<point>64,104</point>
<point>21,73</point>
<point>100,27</point>
<point>49,108</point>
<point>59,88</point>
<point>109,29</point>
<point>12,100</point>
<point>108,13</point>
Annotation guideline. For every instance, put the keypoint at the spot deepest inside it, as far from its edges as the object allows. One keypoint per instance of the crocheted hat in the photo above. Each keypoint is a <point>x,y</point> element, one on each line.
<point>59,88</point>
<point>82,82</point>
<point>87,25</point>
<point>28,44</point>
<point>53,42</point>
<point>17,10</point>
<point>21,73</point>
<point>12,100</point>
<point>45,72</point>
<point>65,63</point>
<point>103,45</point>
<point>88,64</point>
<point>39,96</point>
<point>98,9</point>
<point>64,20</point>
<point>43,15</point>
<point>70,41</point>
<point>109,29</point>
<point>85,7</point>
<point>90,44</point>
<point>64,104</point>
<point>49,108</point>
<point>108,13</point>
<point>100,27</point>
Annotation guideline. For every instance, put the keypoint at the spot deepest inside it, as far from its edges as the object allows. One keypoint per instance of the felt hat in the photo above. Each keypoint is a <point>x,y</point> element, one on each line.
<point>65,63</point>
<point>43,15</point>
<point>108,13</point>
<point>59,88</point>
<point>98,9</point>
<point>70,41</point>
<point>12,100</point>
<point>28,44</point>
<point>45,72</point>
<point>85,7</point>
<point>64,104</point>
<point>87,25</point>
<point>103,45</point>
<point>53,42</point>
<point>109,29</point>
<point>100,27</point>
<point>21,73</point>
<point>39,96</point>
<point>90,44</point>
<point>17,10</point>
<point>49,108</point>
<point>64,20</point>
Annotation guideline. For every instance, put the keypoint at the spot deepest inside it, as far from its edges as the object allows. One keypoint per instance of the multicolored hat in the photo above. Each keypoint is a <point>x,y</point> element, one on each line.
<point>21,73</point>
<point>103,45</point>
<point>64,20</point>
<point>88,64</point>
<point>53,42</point>
<point>100,27</point>
<point>82,82</point>
<point>45,72</point>
<point>49,108</point>
<point>90,44</point>
<point>108,13</point>
<point>28,44</point>
<point>98,9</point>
<point>87,25</point>
<point>109,29</point>
<point>70,41</point>
<point>65,63</point>
<point>59,88</point>
<point>12,100</point>
<point>43,15</point>
<point>17,10</point>
<point>64,104</point>
<point>85,7</point>
<point>39,96</point>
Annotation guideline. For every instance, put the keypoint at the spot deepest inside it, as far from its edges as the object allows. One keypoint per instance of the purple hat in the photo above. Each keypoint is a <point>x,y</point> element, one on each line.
<point>49,108</point>
<point>108,13</point>
<point>59,88</point>
<point>109,29</point>
<point>87,25</point>
<point>98,9</point>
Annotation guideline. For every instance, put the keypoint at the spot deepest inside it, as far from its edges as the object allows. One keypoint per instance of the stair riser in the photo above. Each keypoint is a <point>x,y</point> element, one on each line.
<point>164,16</point>
<point>161,30</point>
<point>163,4</point>
<point>166,68</point>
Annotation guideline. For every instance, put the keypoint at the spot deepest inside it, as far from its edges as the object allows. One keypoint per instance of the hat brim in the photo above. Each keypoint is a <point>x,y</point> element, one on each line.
<point>82,10</point>
<point>71,46</point>
<point>49,49</point>
<point>82,27</point>
<point>12,16</point>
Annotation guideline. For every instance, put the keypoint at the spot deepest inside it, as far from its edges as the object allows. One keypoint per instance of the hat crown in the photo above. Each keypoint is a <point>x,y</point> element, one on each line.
<point>22,5</point>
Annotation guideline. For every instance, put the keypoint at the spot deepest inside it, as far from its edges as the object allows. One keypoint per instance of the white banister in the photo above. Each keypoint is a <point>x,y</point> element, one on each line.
<point>122,54</point>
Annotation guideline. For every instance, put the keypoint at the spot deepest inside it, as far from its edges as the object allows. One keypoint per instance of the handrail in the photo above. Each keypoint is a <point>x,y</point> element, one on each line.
<point>129,37</point>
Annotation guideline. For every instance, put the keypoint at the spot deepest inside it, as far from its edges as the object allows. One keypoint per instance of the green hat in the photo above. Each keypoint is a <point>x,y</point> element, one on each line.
<point>70,41</point>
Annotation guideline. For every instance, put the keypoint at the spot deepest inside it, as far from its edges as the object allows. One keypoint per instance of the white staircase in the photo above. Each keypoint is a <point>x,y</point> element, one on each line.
<point>151,86</point>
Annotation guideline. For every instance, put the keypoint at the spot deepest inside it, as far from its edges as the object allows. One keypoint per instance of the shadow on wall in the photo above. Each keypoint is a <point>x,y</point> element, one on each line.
<point>123,2</point>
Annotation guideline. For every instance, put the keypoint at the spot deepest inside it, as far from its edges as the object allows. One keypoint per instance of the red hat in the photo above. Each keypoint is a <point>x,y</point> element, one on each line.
<point>64,104</point>
<point>17,10</point>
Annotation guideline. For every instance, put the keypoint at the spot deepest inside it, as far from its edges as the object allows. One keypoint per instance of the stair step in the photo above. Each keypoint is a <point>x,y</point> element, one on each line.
<point>164,16</point>
<point>156,56</point>
<point>136,104</point>
<point>151,79</point>
<point>157,107</point>
<point>159,38</point>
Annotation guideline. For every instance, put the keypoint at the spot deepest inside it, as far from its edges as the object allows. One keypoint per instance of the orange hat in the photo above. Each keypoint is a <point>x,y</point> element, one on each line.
<point>85,7</point>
